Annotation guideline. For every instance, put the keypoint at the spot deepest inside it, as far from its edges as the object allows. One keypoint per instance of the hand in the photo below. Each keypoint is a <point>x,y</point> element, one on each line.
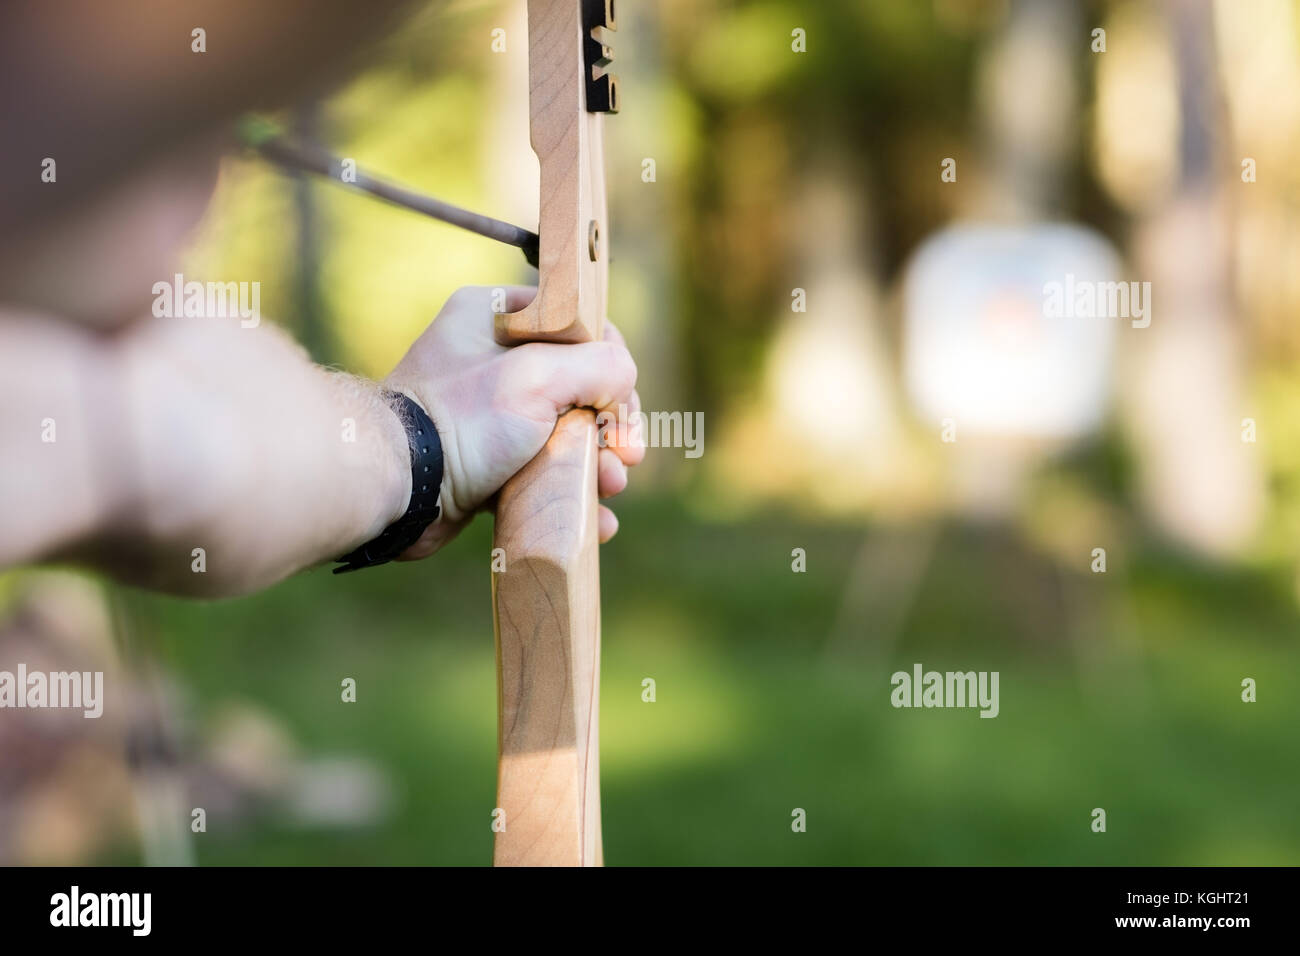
<point>495,407</point>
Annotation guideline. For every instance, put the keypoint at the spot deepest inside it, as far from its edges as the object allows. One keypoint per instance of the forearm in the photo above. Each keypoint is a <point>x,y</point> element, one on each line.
<point>188,455</point>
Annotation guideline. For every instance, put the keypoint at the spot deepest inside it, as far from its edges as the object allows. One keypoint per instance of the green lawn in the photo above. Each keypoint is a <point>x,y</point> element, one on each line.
<point>1137,710</point>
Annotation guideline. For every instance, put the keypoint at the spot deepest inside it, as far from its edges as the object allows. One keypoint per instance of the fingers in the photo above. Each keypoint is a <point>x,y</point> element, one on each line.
<point>599,375</point>
<point>627,441</point>
<point>612,334</point>
<point>621,433</point>
<point>611,474</point>
<point>606,523</point>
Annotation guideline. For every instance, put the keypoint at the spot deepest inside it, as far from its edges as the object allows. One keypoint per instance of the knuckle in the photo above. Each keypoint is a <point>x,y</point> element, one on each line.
<point>625,366</point>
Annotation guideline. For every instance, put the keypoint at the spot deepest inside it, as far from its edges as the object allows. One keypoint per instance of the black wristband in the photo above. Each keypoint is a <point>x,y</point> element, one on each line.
<point>426,480</point>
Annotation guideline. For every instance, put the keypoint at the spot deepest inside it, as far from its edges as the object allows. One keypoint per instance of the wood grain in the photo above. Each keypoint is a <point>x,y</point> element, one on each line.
<point>546,603</point>
<point>569,143</point>
<point>547,616</point>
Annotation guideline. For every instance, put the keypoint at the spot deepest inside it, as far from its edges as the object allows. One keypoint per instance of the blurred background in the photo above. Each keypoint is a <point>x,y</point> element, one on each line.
<point>838,255</point>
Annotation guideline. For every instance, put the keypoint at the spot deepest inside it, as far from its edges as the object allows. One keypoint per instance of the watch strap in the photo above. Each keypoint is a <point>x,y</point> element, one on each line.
<point>426,482</point>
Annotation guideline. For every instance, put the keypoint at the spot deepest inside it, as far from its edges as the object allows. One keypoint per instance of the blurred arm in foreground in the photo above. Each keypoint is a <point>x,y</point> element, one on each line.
<point>129,440</point>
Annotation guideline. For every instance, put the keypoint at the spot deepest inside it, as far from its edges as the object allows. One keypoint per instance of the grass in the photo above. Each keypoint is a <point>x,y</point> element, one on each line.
<point>1129,702</point>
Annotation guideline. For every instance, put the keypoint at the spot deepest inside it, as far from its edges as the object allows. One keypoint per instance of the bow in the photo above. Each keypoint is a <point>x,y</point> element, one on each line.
<point>546,602</point>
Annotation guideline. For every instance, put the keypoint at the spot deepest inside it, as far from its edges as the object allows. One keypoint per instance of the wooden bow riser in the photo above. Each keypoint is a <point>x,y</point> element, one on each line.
<point>546,603</point>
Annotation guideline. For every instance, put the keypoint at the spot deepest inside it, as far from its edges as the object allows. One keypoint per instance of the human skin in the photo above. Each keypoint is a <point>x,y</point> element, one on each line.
<point>128,441</point>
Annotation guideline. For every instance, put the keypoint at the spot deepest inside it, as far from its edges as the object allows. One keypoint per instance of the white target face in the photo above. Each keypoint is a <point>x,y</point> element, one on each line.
<point>986,342</point>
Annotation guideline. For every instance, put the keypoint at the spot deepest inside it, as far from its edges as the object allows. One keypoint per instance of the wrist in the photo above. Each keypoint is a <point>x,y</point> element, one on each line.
<point>452,512</point>
<point>424,480</point>
<point>397,479</point>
